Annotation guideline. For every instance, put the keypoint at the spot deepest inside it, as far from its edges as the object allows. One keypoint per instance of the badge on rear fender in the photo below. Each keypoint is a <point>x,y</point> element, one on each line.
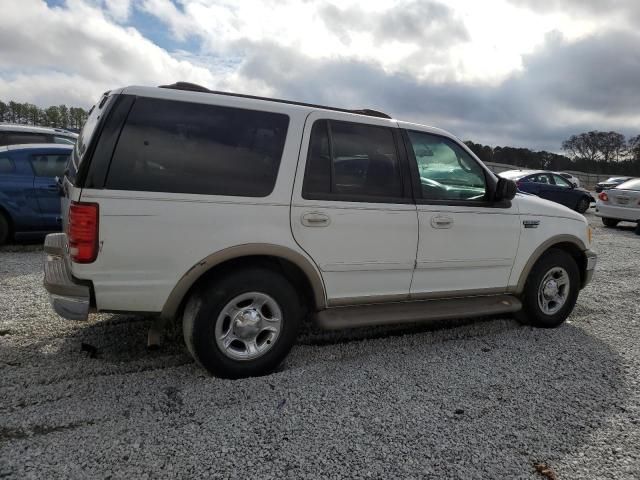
<point>531,223</point>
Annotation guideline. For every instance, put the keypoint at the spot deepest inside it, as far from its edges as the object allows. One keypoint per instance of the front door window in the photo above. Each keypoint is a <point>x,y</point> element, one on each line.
<point>447,171</point>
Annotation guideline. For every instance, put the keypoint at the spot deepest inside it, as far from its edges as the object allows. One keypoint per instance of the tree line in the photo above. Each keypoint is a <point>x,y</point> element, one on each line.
<point>57,116</point>
<point>591,152</point>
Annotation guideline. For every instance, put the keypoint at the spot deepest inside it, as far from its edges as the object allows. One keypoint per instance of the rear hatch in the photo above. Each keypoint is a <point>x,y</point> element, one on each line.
<point>81,151</point>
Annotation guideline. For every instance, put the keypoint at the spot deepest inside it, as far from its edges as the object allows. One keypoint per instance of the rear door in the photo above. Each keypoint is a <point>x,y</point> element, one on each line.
<point>48,165</point>
<point>352,210</point>
<point>17,195</point>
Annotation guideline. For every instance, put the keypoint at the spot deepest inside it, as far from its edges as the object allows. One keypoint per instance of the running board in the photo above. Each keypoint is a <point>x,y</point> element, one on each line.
<point>417,311</point>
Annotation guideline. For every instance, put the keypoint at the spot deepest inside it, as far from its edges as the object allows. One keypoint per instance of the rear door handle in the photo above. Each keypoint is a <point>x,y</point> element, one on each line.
<point>315,219</point>
<point>441,221</point>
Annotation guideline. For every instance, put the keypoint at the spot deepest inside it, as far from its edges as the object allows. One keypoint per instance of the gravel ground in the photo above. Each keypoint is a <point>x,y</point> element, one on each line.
<point>480,399</point>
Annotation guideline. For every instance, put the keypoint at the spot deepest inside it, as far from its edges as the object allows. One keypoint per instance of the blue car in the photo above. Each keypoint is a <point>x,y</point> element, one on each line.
<point>551,186</point>
<point>29,191</point>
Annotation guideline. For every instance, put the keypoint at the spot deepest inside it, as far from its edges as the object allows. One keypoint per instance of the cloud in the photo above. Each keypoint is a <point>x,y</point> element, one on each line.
<point>429,24</point>
<point>622,9</point>
<point>82,44</point>
<point>403,57</point>
<point>565,87</point>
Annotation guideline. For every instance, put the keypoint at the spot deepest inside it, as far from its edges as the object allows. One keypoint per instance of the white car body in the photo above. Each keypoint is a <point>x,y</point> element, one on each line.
<point>621,202</point>
<point>571,178</point>
<point>155,246</point>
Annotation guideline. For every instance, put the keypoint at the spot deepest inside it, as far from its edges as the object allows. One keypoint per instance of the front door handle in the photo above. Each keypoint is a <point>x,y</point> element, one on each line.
<point>315,219</point>
<point>441,221</point>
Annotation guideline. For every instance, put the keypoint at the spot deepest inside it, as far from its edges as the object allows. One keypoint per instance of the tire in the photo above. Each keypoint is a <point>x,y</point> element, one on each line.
<point>555,264</point>
<point>637,228</point>
<point>226,310</point>
<point>5,231</point>
<point>610,222</point>
<point>583,205</point>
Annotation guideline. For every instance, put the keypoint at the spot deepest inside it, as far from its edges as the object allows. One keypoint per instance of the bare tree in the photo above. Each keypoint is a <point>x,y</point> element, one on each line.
<point>596,146</point>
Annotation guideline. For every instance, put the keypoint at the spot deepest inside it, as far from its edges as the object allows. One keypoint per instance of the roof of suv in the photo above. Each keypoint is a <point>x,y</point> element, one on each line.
<point>10,127</point>
<point>185,90</point>
<point>27,146</point>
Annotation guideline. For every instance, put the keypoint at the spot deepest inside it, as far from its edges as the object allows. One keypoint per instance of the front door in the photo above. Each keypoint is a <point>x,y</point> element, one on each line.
<point>352,211</point>
<point>467,244</point>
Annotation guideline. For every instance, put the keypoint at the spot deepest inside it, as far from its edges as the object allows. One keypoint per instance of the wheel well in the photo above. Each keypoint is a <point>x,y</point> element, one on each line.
<point>575,252</point>
<point>289,270</point>
<point>5,214</point>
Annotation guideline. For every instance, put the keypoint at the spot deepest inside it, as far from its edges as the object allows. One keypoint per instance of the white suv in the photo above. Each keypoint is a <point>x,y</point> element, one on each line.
<point>239,216</point>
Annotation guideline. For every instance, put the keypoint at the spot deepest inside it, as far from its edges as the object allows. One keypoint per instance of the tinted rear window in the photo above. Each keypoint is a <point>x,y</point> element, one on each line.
<point>180,147</point>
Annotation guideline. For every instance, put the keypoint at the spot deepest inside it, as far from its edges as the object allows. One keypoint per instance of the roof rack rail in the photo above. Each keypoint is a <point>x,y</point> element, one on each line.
<point>192,87</point>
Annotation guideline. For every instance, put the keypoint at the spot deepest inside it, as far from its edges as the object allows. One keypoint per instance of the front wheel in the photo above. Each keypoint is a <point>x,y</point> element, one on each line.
<point>583,205</point>
<point>243,324</point>
<point>551,290</point>
<point>610,222</point>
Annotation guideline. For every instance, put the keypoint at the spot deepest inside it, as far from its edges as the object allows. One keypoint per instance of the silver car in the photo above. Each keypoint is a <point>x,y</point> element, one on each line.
<point>620,204</point>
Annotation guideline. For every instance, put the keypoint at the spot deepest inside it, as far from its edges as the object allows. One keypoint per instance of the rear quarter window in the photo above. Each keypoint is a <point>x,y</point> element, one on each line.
<point>181,147</point>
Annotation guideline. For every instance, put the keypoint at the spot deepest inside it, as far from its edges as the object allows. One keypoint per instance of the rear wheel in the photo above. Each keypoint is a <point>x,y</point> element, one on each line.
<point>583,205</point>
<point>551,290</point>
<point>243,324</point>
<point>610,222</point>
<point>4,229</point>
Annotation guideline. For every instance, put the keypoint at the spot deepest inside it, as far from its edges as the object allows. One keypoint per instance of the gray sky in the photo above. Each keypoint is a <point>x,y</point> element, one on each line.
<point>501,72</point>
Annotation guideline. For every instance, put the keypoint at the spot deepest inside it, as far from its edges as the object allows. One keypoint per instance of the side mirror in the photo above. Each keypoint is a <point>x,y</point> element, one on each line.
<point>574,185</point>
<point>505,190</point>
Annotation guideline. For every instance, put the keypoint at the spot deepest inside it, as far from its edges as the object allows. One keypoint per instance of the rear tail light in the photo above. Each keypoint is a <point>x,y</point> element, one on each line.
<point>82,232</point>
<point>603,196</point>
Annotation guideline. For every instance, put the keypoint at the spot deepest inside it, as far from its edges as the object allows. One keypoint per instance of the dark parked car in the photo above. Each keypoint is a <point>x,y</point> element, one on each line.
<point>611,183</point>
<point>29,192</point>
<point>551,186</point>
<point>23,134</point>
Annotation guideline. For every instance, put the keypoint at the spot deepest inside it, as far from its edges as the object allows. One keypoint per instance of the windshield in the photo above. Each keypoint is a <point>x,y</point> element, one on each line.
<point>633,184</point>
<point>86,134</point>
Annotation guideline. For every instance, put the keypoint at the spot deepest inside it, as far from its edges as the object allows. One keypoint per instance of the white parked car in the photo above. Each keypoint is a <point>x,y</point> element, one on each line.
<point>574,180</point>
<point>11,134</point>
<point>620,204</point>
<point>240,216</point>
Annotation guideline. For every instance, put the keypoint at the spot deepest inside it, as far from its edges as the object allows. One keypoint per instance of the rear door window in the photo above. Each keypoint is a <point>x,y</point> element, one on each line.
<point>181,147</point>
<point>352,162</point>
<point>49,165</point>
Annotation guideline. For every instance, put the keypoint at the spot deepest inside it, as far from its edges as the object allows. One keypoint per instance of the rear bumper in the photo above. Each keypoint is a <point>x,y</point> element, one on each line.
<point>590,267</point>
<point>630,214</point>
<point>69,299</point>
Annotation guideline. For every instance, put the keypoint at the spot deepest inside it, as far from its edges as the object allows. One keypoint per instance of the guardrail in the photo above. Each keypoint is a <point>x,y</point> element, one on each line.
<point>587,180</point>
